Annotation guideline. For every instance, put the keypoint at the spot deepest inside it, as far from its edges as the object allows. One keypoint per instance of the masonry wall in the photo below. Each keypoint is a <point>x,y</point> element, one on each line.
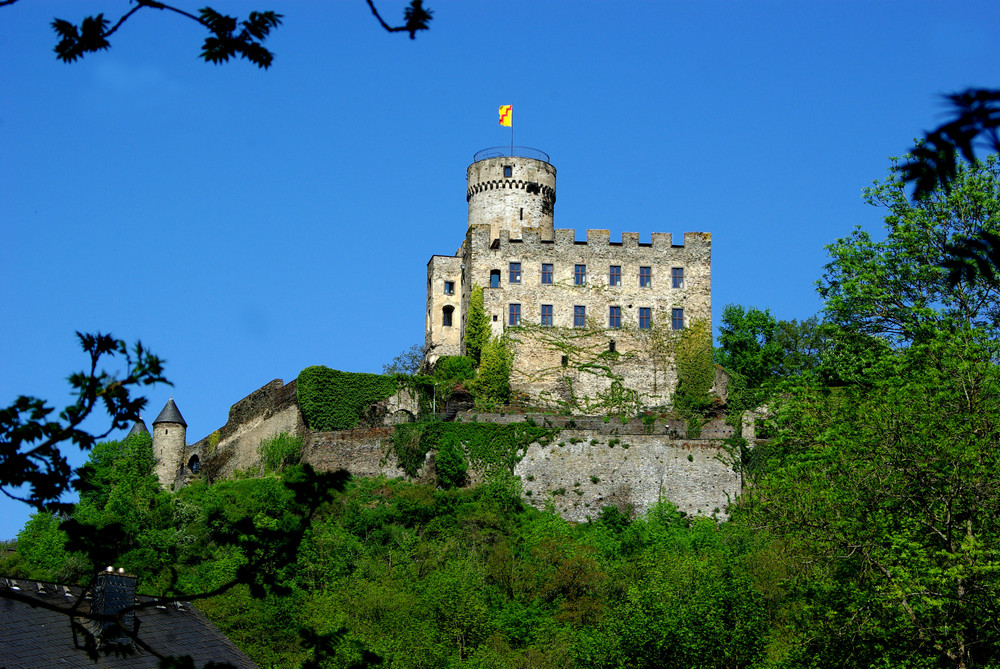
<point>540,370</point>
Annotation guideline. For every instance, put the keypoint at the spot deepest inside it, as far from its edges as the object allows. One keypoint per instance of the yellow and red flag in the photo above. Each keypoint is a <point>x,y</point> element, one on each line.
<point>505,113</point>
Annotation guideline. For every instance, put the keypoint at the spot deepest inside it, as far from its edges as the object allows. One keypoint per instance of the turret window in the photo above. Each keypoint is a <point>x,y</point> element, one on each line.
<point>508,171</point>
<point>546,273</point>
<point>515,314</point>
<point>615,275</point>
<point>515,272</point>
<point>645,277</point>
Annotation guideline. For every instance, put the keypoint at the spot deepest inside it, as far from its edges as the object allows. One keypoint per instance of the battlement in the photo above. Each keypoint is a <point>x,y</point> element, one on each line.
<point>480,237</point>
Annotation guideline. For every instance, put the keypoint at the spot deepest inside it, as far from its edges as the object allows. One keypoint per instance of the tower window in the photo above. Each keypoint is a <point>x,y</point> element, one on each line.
<point>515,315</point>
<point>677,277</point>
<point>515,272</point>
<point>615,275</point>
<point>522,213</point>
<point>614,317</point>
<point>565,360</point>
<point>611,346</point>
<point>508,171</point>
<point>677,319</point>
<point>546,314</point>
<point>579,316</point>
<point>449,287</point>
<point>645,277</point>
<point>579,275</point>
<point>446,315</point>
<point>494,278</point>
<point>645,318</point>
<point>546,273</point>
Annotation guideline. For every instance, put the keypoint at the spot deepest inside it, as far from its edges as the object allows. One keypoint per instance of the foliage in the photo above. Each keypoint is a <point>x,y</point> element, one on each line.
<point>491,387</point>
<point>748,343</point>
<point>450,462</point>
<point>898,288</point>
<point>30,440</point>
<point>695,369</point>
<point>229,37</point>
<point>454,368</point>
<point>407,362</point>
<point>889,497</point>
<point>933,163</point>
<point>477,326</point>
<point>488,446</point>
<point>280,451</point>
<point>335,400</point>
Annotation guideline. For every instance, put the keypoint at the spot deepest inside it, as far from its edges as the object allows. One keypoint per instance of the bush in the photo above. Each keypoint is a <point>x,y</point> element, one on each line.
<point>280,451</point>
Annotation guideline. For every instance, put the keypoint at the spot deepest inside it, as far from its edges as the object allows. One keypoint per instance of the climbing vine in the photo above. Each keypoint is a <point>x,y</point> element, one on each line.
<point>333,400</point>
<point>489,447</point>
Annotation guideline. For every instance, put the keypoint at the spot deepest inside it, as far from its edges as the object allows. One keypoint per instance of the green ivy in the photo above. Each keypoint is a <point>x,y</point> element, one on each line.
<point>333,400</point>
<point>487,446</point>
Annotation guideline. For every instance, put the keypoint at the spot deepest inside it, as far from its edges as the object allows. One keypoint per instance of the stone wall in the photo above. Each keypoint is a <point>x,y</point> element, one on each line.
<point>553,362</point>
<point>590,465</point>
<point>263,414</point>
<point>442,337</point>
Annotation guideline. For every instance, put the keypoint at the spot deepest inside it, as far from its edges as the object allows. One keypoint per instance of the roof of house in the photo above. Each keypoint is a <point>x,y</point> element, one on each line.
<point>170,414</point>
<point>32,636</point>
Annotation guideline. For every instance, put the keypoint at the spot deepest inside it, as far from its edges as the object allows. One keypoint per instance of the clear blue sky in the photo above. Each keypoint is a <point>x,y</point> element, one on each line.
<point>245,224</point>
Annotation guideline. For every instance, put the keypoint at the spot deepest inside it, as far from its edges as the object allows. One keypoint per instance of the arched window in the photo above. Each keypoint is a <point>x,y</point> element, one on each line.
<point>194,463</point>
<point>446,314</point>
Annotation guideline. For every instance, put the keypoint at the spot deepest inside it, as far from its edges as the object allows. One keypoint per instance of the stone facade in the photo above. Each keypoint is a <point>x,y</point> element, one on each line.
<point>581,315</point>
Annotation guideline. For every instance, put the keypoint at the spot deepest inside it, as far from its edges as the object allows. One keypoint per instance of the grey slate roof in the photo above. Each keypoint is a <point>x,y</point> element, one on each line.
<point>170,414</point>
<point>33,637</point>
<point>138,427</point>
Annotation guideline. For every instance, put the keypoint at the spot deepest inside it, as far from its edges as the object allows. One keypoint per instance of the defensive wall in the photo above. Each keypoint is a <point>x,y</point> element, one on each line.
<point>591,463</point>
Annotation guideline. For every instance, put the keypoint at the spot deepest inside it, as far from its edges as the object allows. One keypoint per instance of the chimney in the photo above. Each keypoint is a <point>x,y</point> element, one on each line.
<point>114,592</point>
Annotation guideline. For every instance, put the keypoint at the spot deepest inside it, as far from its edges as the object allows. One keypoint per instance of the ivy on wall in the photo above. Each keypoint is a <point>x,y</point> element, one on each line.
<point>333,400</point>
<point>489,447</point>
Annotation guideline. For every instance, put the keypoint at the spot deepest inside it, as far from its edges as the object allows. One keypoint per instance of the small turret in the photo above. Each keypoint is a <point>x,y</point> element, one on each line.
<point>138,427</point>
<point>169,440</point>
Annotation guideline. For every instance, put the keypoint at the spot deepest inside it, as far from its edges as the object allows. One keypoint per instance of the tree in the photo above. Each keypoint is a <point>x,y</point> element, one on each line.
<point>886,498</point>
<point>407,362</point>
<point>31,442</point>
<point>747,343</point>
<point>899,288</point>
<point>228,36</point>
<point>477,326</point>
<point>933,163</point>
<point>492,384</point>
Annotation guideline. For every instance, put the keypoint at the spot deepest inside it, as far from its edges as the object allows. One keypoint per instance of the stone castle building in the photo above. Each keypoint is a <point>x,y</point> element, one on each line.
<point>586,319</point>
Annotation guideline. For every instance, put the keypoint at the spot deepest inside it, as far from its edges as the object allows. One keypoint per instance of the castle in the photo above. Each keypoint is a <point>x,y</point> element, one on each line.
<point>589,323</point>
<point>580,316</point>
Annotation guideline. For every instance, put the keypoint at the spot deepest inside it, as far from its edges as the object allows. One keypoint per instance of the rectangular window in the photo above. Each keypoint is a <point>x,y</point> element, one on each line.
<point>515,272</point>
<point>449,287</point>
<point>645,318</point>
<point>546,314</point>
<point>579,275</point>
<point>677,319</point>
<point>515,314</point>
<point>615,275</point>
<point>645,277</point>
<point>615,317</point>
<point>546,273</point>
<point>677,277</point>
<point>446,315</point>
<point>494,278</point>
<point>579,317</point>
<point>508,171</point>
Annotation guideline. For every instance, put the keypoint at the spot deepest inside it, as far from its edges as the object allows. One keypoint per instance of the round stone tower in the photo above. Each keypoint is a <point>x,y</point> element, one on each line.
<point>512,192</point>
<point>169,440</point>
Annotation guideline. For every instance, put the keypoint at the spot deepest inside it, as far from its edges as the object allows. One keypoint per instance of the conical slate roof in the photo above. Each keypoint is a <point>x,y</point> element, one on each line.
<point>170,414</point>
<point>138,427</point>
